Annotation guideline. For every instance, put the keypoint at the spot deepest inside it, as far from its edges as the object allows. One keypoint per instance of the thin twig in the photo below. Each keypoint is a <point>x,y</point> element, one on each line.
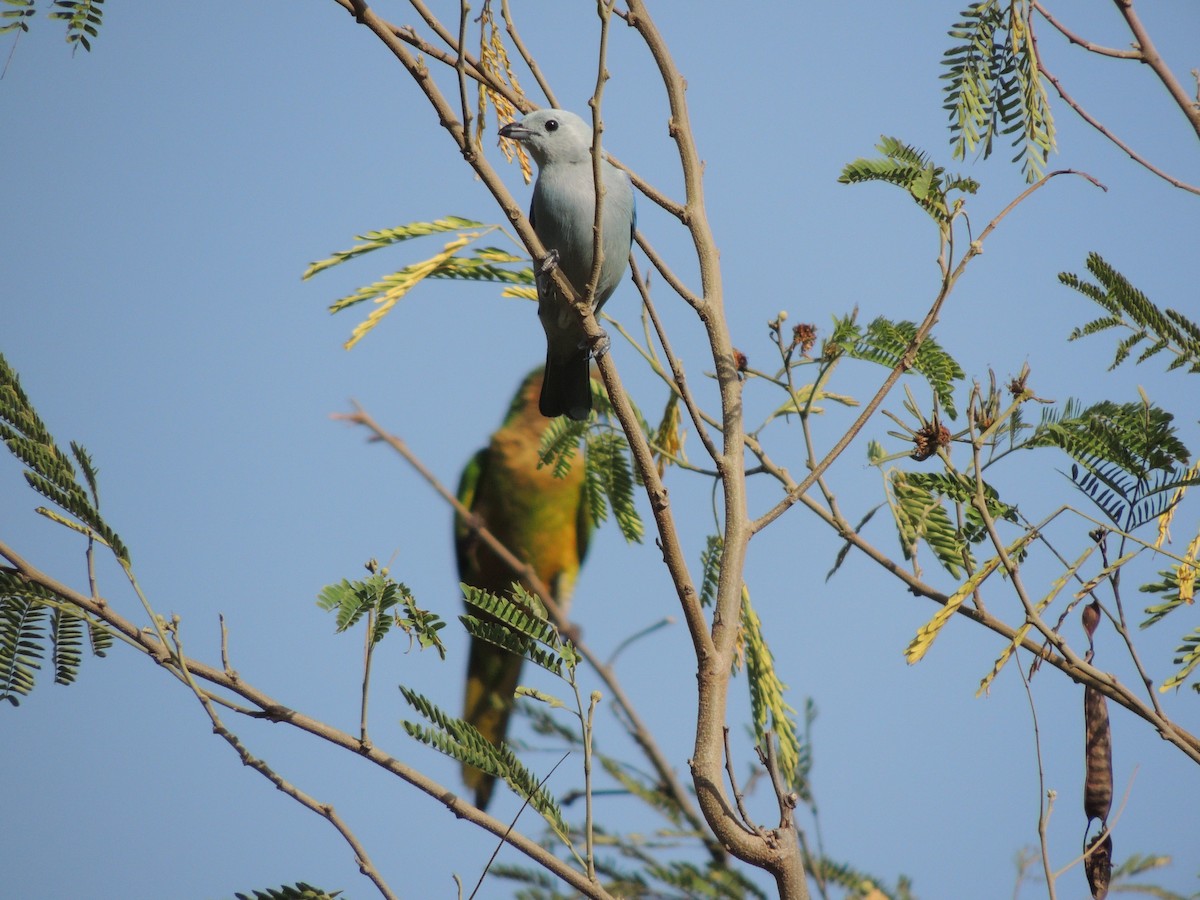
<point>368,646</point>
<point>652,193</point>
<point>267,707</point>
<point>588,799</point>
<point>664,622</point>
<point>664,270</point>
<point>526,55</point>
<point>325,810</point>
<point>1095,123</point>
<point>604,11</point>
<point>1045,802</point>
<point>1151,57</point>
<point>786,799</point>
<point>680,383</point>
<point>746,822</point>
<point>1082,42</point>
<point>511,825</point>
<point>229,670</point>
<point>460,66</point>
<point>523,571</point>
<point>949,279</point>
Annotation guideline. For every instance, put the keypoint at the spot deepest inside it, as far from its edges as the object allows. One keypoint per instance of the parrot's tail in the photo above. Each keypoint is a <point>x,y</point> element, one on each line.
<point>566,387</point>
<point>492,676</point>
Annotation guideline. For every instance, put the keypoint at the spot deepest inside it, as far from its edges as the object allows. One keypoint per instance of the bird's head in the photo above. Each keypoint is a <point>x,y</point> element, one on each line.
<point>552,136</point>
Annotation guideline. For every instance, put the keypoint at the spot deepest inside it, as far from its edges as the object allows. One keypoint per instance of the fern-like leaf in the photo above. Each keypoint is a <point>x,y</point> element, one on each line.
<point>518,624</point>
<point>909,168</point>
<point>710,568</point>
<point>1188,658</point>
<point>390,602</point>
<point>690,880</point>
<point>610,483</point>
<point>771,713</point>
<point>375,240</point>
<point>1128,458</point>
<point>298,891</point>
<point>47,469</point>
<point>83,18</point>
<point>15,19</point>
<point>560,443</point>
<point>22,642</point>
<point>1164,330</point>
<point>885,343</point>
<point>920,515</point>
<point>462,741</point>
<point>66,631</point>
<point>993,86</point>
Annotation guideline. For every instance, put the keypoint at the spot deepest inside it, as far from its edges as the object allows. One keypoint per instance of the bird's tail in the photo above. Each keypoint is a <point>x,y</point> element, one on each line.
<point>566,387</point>
<point>492,675</point>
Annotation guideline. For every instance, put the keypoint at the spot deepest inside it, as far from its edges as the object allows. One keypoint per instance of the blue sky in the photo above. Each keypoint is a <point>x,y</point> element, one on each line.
<point>165,192</point>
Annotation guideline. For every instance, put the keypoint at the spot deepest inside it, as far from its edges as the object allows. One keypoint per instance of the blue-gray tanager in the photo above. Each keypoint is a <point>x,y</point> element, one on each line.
<point>563,215</point>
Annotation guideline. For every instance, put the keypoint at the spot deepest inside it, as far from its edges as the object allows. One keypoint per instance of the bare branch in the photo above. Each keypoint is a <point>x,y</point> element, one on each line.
<point>266,707</point>
<point>1151,57</point>
<point>1085,44</point>
<point>1095,123</point>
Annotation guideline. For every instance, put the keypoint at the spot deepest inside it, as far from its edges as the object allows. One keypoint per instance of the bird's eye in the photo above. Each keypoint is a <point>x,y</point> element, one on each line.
<point>552,124</point>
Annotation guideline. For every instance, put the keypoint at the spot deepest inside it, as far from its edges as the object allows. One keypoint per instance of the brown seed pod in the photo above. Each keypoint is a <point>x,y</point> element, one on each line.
<point>1098,866</point>
<point>1098,780</point>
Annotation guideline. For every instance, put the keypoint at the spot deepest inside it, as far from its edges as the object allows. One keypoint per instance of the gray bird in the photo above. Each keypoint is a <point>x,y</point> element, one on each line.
<point>562,214</point>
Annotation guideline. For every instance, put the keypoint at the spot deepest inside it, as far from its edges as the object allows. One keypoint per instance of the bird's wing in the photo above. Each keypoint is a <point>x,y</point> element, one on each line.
<point>468,485</point>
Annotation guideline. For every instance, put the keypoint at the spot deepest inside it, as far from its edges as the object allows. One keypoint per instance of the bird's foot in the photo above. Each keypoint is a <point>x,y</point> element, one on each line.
<point>600,345</point>
<point>549,262</point>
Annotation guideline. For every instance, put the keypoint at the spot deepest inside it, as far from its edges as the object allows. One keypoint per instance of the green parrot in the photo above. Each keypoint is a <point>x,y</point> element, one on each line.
<point>544,521</point>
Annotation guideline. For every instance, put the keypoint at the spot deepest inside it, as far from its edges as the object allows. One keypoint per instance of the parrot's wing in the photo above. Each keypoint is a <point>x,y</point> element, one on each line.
<point>468,486</point>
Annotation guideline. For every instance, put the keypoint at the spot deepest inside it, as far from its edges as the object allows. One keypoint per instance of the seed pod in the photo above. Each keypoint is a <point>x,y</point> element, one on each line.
<point>1098,779</point>
<point>1098,866</point>
<point>1091,618</point>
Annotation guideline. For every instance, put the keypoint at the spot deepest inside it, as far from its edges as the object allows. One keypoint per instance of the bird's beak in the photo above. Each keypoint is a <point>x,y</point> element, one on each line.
<point>515,131</point>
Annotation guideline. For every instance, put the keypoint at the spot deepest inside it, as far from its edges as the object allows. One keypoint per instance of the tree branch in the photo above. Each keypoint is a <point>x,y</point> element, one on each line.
<point>1150,56</point>
<point>268,707</point>
<point>639,731</point>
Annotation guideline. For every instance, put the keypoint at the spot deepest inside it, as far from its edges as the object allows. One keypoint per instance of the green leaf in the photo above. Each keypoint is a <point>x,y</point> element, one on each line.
<point>559,444</point>
<point>462,741</point>
<point>1188,657</point>
<point>299,891</point>
<point>517,625</point>
<point>66,629</point>
<point>1164,330</point>
<point>772,715</point>
<point>609,482</point>
<point>47,469</point>
<point>885,343</point>
<point>993,85</point>
<point>390,603</point>
<point>25,10</point>
<point>710,568</point>
<point>909,168</point>
<point>920,516</point>
<point>83,18</point>
<point>1127,457</point>
<point>22,641</point>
